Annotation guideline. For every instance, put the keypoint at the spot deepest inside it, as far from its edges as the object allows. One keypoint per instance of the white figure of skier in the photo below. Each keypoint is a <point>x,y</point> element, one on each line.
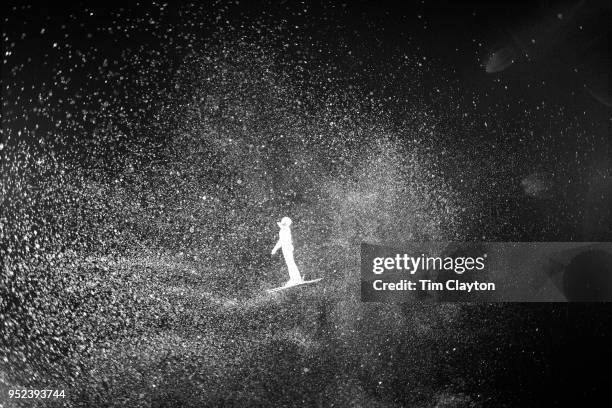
<point>285,243</point>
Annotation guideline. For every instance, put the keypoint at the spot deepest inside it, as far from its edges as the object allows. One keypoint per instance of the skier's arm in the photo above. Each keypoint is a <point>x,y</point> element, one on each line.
<point>276,247</point>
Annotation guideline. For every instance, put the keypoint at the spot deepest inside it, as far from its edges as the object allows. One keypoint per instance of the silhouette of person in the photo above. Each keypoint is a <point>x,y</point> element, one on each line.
<point>285,243</point>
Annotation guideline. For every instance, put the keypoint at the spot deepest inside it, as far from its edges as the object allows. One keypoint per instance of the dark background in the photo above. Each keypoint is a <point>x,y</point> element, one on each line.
<point>527,148</point>
<point>541,115</point>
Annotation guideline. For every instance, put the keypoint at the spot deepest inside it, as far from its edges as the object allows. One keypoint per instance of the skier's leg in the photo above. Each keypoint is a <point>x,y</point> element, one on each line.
<point>294,273</point>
